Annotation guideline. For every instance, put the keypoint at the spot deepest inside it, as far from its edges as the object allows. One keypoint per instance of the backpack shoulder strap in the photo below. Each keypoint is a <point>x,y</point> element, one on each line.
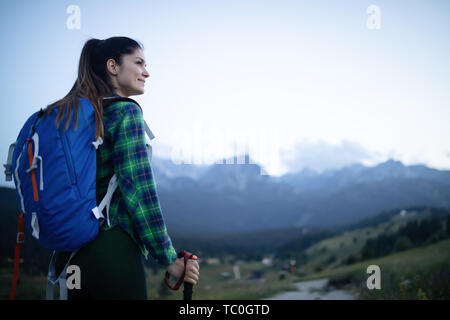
<point>110,100</point>
<point>148,131</point>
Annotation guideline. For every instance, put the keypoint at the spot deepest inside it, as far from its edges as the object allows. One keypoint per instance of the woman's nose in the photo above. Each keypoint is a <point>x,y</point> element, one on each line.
<point>146,74</point>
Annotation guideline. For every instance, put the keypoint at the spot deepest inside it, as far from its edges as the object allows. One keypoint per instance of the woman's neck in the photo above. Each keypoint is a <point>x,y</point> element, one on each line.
<point>120,93</point>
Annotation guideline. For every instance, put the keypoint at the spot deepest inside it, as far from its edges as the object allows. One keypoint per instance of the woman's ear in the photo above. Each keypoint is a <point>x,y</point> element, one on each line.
<point>112,67</point>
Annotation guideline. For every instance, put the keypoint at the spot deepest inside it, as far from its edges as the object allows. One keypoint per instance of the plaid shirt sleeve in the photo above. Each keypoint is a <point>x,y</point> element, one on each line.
<point>135,179</point>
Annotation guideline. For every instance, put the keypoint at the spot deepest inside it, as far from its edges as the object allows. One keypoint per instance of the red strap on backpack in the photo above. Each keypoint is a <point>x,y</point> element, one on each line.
<point>186,255</point>
<point>19,240</point>
<point>33,173</point>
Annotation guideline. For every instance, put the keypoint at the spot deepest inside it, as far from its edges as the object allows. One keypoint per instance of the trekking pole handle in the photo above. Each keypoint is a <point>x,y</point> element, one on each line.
<point>187,292</point>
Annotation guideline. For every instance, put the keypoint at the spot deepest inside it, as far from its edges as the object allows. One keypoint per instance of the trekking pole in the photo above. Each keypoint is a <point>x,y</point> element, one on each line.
<point>187,292</point>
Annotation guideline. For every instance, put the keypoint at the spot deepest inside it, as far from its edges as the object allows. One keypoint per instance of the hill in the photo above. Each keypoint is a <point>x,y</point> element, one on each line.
<point>419,273</point>
<point>384,236</point>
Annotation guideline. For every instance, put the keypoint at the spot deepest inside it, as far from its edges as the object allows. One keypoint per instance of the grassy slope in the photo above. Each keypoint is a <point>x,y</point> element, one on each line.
<point>350,243</point>
<point>419,273</point>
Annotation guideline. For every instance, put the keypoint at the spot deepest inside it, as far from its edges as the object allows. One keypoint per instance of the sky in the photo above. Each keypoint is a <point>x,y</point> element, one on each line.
<point>296,84</point>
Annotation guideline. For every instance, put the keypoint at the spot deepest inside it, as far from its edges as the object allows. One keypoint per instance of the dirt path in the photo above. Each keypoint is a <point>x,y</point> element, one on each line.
<point>312,290</point>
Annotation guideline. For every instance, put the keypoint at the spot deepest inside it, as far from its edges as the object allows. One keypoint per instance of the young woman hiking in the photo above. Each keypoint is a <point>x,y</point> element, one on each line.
<point>111,266</point>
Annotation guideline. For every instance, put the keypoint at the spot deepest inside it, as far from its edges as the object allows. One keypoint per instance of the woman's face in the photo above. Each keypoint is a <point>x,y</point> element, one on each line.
<point>129,77</point>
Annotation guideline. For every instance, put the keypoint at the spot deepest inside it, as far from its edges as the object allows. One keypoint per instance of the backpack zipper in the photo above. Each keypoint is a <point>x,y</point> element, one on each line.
<point>67,154</point>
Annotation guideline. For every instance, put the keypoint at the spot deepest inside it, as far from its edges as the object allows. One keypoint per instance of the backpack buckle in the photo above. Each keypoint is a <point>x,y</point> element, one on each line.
<point>20,237</point>
<point>8,172</point>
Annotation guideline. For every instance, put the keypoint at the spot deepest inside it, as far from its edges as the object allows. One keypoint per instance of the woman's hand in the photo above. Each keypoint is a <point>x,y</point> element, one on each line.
<point>192,270</point>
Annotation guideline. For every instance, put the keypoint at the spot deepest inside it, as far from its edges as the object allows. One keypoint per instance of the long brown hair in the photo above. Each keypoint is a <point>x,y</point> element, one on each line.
<point>93,82</point>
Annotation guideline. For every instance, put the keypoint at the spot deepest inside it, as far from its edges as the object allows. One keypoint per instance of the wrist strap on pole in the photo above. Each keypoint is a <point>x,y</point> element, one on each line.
<point>186,255</point>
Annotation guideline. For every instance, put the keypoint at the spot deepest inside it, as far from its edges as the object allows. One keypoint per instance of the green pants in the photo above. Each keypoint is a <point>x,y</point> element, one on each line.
<point>111,268</point>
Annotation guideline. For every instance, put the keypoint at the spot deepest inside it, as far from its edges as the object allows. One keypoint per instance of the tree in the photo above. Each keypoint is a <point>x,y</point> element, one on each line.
<point>448,226</point>
<point>350,260</point>
<point>402,243</point>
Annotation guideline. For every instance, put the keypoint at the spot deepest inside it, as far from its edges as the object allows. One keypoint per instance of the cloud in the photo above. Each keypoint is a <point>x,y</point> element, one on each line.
<point>321,156</point>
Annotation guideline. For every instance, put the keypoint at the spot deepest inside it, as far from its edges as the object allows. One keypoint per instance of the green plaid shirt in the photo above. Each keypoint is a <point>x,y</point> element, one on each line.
<point>135,205</point>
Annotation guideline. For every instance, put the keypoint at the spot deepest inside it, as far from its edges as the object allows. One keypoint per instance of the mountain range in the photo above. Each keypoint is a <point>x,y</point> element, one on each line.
<point>222,198</point>
<point>236,197</point>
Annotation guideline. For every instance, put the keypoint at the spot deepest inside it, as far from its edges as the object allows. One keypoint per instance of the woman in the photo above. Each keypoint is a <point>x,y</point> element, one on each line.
<point>111,265</point>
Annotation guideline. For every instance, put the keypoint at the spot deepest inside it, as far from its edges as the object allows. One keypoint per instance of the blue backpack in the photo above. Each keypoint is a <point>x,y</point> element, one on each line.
<point>55,177</point>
